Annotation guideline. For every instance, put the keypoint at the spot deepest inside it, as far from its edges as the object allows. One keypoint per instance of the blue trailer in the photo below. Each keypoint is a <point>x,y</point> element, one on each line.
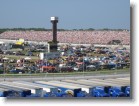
<point>4,92</point>
<point>15,92</point>
<point>57,94</point>
<point>115,92</point>
<point>99,91</point>
<point>126,90</point>
<point>83,94</point>
<point>33,96</point>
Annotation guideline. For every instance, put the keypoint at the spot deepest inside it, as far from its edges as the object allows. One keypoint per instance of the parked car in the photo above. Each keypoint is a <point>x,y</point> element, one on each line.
<point>97,65</point>
<point>91,67</point>
<point>1,71</point>
<point>1,52</point>
<point>66,69</point>
<point>20,53</point>
<point>80,68</point>
<point>16,71</point>
<point>8,52</point>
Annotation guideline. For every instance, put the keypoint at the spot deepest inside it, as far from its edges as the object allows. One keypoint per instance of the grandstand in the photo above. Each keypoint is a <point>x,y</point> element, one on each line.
<point>75,37</point>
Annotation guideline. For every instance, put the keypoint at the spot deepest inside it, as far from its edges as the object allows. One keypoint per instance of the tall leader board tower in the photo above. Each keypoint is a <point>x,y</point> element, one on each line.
<point>53,44</point>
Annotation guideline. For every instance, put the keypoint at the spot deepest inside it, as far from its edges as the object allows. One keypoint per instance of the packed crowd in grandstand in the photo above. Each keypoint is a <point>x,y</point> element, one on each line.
<point>77,37</point>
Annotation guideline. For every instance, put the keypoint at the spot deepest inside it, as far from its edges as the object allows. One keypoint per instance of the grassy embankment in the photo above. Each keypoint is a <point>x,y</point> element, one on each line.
<point>101,72</point>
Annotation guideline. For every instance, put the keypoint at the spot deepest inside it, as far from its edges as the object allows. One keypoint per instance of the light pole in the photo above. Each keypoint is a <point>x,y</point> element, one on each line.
<point>83,66</point>
<point>4,68</point>
<point>46,60</point>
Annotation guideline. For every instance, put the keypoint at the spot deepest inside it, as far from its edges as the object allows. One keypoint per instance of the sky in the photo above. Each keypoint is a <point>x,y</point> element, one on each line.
<point>72,14</point>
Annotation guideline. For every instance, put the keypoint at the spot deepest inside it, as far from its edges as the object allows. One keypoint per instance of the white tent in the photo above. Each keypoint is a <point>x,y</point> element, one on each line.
<point>27,58</point>
<point>5,58</point>
<point>1,42</point>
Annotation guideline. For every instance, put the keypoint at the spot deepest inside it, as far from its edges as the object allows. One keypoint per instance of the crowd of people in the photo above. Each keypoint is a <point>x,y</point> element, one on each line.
<point>76,37</point>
